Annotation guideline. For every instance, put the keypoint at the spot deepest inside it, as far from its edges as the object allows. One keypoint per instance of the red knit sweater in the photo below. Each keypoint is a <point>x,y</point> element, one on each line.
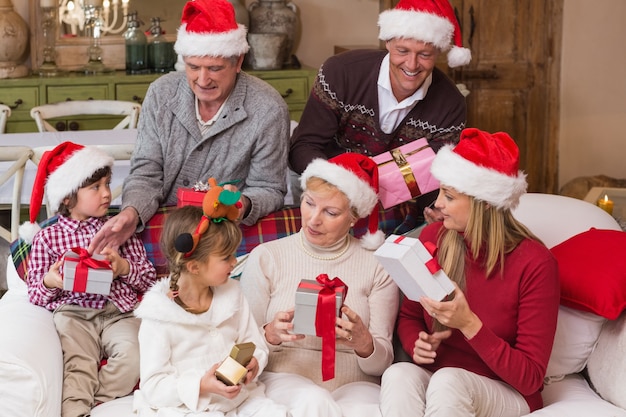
<point>518,310</point>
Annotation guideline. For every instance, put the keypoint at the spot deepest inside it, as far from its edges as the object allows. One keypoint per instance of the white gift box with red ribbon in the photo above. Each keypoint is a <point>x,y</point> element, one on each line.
<point>86,273</point>
<point>413,267</point>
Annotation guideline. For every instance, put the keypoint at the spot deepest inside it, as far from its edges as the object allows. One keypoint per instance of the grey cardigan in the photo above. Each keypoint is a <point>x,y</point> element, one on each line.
<point>249,142</point>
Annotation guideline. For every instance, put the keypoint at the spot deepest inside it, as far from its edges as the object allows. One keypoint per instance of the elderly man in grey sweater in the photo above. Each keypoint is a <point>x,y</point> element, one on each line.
<point>212,120</point>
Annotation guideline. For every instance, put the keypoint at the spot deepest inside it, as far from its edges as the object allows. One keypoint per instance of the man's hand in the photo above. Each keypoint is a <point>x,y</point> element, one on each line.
<point>117,230</point>
<point>432,215</point>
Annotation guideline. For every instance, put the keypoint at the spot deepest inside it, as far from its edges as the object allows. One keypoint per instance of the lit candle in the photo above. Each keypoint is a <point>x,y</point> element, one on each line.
<point>606,204</point>
<point>48,3</point>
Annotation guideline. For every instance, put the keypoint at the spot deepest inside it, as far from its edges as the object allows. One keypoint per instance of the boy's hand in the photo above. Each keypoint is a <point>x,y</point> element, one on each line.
<point>119,265</point>
<point>53,278</point>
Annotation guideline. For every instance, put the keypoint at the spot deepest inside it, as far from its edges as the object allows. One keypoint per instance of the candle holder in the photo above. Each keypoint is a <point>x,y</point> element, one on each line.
<point>93,28</point>
<point>49,23</point>
<point>74,13</point>
<point>606,204</point>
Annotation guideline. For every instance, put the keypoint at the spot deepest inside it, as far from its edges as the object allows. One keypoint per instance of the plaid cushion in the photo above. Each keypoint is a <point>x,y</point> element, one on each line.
<point>273,226</point>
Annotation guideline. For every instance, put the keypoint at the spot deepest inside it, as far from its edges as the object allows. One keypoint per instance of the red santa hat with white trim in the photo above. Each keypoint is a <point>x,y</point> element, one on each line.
<point>209,28</point>
<point>60,173</point>
<point>356,176</point>
<point>484,166</point>
<point>431,21</point>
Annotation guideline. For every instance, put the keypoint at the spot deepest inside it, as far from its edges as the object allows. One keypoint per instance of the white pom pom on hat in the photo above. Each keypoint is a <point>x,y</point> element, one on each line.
<point>484,166</point>
<point>431,21</point>
<point>60,173</point>
<point>356,176</point>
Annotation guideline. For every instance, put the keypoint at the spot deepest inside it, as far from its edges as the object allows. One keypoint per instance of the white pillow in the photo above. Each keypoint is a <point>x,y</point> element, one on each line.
<point>607,364</point>
<point>576,336</point>
<point>572,397</point>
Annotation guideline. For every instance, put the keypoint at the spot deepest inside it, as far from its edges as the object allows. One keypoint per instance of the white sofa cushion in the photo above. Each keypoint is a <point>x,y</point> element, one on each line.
<point>607,363</point>
<point>31,368</point>
<point>572,397</point>
<point>576,336</point>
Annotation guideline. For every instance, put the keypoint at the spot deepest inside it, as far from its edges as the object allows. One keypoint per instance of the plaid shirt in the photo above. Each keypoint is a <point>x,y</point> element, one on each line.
<point>52,242</point>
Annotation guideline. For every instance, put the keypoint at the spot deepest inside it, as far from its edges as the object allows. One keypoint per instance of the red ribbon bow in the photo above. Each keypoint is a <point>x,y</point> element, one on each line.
<point>325,320</point>
<point>85,261</point>
<point>432,265</point>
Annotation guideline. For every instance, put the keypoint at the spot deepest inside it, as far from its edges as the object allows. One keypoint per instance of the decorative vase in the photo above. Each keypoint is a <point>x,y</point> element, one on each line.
<point>241,13</point>
<point>275,16</point>
<point>13,42</point>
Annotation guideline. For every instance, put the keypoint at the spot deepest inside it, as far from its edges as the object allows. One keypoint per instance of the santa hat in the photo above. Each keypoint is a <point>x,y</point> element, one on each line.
<point>356,176</point>
<point>61,172</point>
<point>484,166</point>
<point>209,28</point>
<point>431,21</point>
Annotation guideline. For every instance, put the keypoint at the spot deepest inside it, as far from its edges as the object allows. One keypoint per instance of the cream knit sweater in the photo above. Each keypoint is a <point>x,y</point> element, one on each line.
<point>269,281</point>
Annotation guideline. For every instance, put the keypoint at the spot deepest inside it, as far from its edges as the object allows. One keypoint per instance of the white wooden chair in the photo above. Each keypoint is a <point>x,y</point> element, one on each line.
<point>5,112</point>
<point>45,112</point>
<point>122,152</point>
<point>19,155</point>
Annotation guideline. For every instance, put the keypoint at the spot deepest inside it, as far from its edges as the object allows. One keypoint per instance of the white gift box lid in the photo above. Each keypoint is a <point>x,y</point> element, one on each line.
<point>405,258</point>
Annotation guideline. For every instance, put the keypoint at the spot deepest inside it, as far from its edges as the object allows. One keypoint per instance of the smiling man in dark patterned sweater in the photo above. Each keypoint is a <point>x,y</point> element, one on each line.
<point>371,101</point>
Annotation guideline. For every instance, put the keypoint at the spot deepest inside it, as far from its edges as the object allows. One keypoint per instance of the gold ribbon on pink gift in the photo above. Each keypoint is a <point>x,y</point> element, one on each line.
<point>325,318</point>
<point>84,262</point>
<point>405,169</point>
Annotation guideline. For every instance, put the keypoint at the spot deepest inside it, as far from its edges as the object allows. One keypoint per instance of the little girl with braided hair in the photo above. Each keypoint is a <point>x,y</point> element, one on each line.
<point>190,322</point>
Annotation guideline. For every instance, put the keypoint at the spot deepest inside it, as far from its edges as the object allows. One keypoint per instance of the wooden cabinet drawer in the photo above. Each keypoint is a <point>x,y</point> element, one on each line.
<point>77,92</point>
<point>20,99</point>
<point>292,89</point>
<point>131,92</point>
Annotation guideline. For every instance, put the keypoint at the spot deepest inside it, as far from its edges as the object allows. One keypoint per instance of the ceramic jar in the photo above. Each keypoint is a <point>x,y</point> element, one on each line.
<point>275,16</point>
<point>13,42</point>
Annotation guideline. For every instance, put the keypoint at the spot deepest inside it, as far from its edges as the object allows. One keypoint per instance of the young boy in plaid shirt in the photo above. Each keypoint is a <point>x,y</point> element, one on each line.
<point>91,327</point>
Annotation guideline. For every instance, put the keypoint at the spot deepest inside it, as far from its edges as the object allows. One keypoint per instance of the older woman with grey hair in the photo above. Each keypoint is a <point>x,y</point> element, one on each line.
<point>336,193</point>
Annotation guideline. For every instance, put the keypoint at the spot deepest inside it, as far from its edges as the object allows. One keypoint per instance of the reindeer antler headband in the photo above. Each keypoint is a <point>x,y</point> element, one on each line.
<point>218,205</point>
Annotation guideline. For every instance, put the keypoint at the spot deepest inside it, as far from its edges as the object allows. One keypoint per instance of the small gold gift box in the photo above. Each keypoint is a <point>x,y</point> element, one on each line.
<point>233,369</point>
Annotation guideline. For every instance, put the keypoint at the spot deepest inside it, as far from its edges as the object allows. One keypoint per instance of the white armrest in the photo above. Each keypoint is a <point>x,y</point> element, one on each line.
<point>31,360</point>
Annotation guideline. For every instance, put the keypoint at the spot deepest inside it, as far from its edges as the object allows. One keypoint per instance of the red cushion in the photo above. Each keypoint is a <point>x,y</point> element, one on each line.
<point>592,270</point>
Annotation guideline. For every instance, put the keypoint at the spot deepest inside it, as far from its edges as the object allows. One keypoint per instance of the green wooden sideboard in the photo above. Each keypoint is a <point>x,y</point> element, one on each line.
<point>22,94</point>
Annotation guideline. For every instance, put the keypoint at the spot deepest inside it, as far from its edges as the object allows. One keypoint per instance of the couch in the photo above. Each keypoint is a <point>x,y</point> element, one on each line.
<point>588,351</point>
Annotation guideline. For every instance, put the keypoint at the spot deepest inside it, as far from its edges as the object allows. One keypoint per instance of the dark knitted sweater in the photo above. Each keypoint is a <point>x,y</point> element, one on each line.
<point>342,113</point>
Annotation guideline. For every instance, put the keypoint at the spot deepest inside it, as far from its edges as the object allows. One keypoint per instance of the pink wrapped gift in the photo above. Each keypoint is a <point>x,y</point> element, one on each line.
<point>404,173</point>
<point>86,273</point>
<point>189,197</point>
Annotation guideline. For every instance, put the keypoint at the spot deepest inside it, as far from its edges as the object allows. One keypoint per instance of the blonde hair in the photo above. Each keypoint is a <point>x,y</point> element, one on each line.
<point>320,185</point>
<point>221,238</point>
<point>489,229</point>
